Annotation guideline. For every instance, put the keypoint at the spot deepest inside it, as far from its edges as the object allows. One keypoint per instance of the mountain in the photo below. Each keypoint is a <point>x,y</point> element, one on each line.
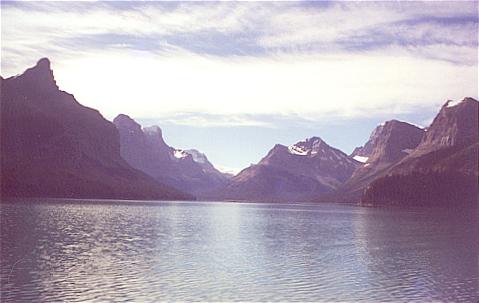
<point>299,172</point>
<point>388,144</point>
<point>52,146</point>
<point>454,125</point>
<point>145,149</point>
<point>201,159</point>
<point>442,170</point>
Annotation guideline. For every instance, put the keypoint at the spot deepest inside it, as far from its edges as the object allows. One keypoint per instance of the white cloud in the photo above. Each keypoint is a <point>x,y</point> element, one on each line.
<point>46,21</point>
<point>228,170</point>
<point>305,26</point>
<point>286,80</point>
<point>344,85</point>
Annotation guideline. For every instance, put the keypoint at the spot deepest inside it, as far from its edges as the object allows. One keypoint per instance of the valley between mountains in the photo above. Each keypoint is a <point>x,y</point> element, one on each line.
<point>52,146</point>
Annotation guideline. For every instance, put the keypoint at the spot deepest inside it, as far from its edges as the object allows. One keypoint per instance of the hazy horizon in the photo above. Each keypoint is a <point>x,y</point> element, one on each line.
<point>233,79</point>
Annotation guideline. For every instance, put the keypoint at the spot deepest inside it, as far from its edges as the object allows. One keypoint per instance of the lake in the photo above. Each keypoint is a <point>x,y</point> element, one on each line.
<point>84,250</point>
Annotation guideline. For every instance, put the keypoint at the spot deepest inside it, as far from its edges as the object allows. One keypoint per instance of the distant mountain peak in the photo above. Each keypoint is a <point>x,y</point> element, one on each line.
<point>154,129</point>
<point>180,154</point>
<point>394,123</point>
<point>455,124</point>
<point>314,139</point>
<point>146,150</point>
<point>125,121</point>
<point>122,117</point>
<point>309,146</point>
<point>198,156</point>
<point>297,172</point>
<point>154,135</point>
<point>454,103</point>
<point>297,150</point>
<point>388,142</point>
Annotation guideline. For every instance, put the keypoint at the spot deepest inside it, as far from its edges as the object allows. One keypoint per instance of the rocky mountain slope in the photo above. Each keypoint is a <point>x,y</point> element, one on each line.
<point>145,149</point>
<point>388,144</point>
<point>52,146</point>
<point>299,172</point>
<point>442,170</point>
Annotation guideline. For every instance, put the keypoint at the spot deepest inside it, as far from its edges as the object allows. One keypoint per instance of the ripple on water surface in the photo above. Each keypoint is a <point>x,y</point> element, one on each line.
<point>85,251</point>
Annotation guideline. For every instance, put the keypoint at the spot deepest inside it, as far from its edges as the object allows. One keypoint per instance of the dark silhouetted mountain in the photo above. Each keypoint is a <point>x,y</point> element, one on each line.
<point>388,144</point>
<point>442,170</point>
<point>145,149</point>
<point>299,172</point>
<point>52,146</point>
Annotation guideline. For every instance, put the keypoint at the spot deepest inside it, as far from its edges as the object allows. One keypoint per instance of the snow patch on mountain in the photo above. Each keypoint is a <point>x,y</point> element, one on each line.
<point>412,123</point>
<point>180,154</point>
<point>297,150</point>
<point>198,157</point>
<point>229,170</point>
<point>361,159</point>
<point>451,103</point>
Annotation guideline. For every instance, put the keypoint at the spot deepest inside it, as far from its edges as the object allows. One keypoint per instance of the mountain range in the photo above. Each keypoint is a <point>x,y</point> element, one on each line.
<point>145,149</point>
<point>442,169</point>
<point>298,172</point>
<point>52,146</point>
<point>388,144</point>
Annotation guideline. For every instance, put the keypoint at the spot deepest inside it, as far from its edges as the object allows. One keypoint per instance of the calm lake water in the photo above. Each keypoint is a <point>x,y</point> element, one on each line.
<point>87,251</point>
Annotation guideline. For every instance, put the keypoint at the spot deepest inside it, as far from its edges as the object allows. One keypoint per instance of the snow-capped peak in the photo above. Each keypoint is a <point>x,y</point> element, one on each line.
<point>451,103</point>
<point>310,146</point>
<point>180,154</point>
<point>297,150</point>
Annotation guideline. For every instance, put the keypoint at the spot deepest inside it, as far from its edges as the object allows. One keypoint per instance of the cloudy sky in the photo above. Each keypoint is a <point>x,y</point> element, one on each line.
<point>234,78</point>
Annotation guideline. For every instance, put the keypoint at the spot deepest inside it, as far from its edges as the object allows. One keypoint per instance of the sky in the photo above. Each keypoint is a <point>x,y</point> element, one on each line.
<point>232,79</point>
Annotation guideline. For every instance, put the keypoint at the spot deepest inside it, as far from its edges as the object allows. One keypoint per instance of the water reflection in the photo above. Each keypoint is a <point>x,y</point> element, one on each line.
<point>425,255</point>
<point>88,251</point>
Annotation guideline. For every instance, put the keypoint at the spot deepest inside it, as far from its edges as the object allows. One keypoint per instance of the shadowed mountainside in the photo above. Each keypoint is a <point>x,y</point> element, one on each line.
<point>145,149</point>
<point>442,170</point>
<point>299,172</point>
<point>388,144</point>
<point>52,146</point>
